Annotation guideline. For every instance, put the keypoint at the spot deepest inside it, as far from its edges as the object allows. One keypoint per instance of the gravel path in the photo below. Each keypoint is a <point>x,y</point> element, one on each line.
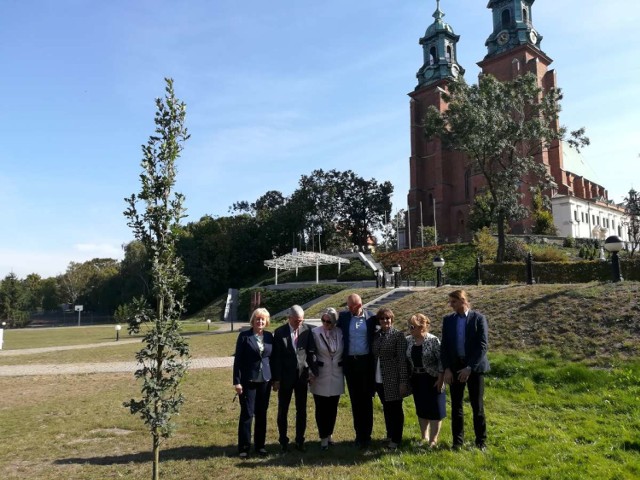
<point>105,367</point>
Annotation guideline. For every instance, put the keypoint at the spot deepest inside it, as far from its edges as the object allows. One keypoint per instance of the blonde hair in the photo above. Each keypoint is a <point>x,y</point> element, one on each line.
<point>421,321</point>
<point>263,312</point>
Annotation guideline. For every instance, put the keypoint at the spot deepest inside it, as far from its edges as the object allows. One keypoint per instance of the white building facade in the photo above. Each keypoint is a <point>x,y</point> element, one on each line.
<point>592,218</point>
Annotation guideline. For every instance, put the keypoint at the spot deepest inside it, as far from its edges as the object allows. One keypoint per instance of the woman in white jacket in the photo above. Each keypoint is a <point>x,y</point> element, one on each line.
<point>328,385</point>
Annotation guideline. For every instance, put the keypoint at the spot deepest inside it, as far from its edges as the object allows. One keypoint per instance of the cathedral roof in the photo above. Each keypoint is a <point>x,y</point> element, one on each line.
<point>574,162</point>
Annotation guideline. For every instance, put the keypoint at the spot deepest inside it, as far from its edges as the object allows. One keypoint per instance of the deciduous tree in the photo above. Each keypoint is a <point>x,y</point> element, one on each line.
<point>164,358</point>
<point>501,127</point>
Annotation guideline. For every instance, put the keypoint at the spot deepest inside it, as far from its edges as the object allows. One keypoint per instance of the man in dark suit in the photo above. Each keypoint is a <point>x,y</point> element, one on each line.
<point>463,352</point>
<point>358,326</point>
<point>293,351</point>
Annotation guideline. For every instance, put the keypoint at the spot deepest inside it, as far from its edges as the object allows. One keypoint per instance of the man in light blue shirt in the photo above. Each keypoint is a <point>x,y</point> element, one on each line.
<point>358,326</point>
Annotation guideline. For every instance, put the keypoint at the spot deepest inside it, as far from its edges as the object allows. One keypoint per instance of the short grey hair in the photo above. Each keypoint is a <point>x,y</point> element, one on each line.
<point>332,313</point>
<point>296,311</point>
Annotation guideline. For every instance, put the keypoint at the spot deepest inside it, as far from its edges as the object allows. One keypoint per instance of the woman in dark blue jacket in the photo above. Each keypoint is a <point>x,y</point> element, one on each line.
<point>252,381</point>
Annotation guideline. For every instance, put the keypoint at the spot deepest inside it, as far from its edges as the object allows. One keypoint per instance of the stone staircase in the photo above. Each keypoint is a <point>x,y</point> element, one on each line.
<point>388,297</point>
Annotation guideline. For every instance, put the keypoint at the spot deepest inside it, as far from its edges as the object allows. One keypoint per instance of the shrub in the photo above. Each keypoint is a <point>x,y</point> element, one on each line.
<point>515,250</point>
<point>486,244</point>
<point>549,254</point>
<point>569,242</point>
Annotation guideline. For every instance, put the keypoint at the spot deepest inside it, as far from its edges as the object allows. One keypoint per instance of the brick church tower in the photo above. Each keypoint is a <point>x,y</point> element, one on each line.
<point>438,190</point>
<point>442,186</point>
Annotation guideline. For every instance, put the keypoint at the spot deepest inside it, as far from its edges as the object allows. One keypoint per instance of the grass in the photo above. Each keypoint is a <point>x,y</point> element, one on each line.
<point>15,339</point>
<point>544,422</point>
<point>562,402</point>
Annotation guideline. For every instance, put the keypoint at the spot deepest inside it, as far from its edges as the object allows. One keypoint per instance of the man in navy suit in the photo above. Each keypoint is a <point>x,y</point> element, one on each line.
<point>463,352</point>
<point>358,326</point>
<point>293,352</point>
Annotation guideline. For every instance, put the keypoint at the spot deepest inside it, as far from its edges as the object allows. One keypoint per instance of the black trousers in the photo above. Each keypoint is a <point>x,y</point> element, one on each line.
<point>359,375</point>
<point>326,414</point>
<point>393,416</point>
<point>254,402</point>
<point>475,383</point>
<point>299,389</point>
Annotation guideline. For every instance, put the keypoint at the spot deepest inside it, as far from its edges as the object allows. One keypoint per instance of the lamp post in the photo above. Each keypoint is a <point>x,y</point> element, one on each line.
<point>614,244</point>
<point>438,263</point>
<point>208,323</point>
<point>395,268</point>
<point>118,328</point>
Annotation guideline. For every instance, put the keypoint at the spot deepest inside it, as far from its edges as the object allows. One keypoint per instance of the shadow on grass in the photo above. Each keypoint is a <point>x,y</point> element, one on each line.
<point>340,454</point>
<point>552,296</point>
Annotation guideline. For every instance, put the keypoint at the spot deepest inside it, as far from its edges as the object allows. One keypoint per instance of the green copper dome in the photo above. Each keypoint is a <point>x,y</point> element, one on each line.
<point>438,25</point>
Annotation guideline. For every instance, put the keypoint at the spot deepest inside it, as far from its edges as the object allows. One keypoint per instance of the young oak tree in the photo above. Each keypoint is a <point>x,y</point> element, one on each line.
<point>165,356</point>
<point>501,127</point>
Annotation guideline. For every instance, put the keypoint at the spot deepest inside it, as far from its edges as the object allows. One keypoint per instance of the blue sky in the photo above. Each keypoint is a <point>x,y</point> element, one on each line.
<point>273,91</point>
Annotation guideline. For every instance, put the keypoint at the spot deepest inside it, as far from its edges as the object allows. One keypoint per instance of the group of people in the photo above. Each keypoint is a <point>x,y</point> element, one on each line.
<point>374,357</point>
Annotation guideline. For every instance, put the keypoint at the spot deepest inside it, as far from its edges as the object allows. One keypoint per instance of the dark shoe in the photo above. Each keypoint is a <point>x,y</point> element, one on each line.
<point>263,452</point>
<point>481,446</point>
<point>393,446</point>
<point>243,455</point>
<point>456,446</point>
<point>300,446</point>
<point>284,447</point>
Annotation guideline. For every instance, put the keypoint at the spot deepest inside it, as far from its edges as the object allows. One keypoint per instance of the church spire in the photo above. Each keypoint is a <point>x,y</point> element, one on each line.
<point>439,52</point>
<point>512,26</point>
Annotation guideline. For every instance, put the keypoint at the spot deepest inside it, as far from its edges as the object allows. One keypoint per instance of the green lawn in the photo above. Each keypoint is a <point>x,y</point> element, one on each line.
<point>15,339</point>
<point>562,402</point>
<point>546,419</point>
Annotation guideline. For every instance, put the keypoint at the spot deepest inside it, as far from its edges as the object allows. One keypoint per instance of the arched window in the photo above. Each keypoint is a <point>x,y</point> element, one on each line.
<point>432,56</point>
<point>506,18</point>
<point>448,53</point>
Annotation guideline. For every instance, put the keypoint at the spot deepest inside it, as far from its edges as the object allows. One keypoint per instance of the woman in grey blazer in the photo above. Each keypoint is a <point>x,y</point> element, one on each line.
<point>392,376</point>
<point>328,385</point>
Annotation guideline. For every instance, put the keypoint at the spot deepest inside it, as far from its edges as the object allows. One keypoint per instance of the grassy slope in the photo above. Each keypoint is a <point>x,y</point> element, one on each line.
<point>548,415</point>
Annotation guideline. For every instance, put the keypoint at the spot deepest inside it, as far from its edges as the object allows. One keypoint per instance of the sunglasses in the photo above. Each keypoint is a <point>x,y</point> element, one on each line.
<point>412,327</point>
<point>326,321</point>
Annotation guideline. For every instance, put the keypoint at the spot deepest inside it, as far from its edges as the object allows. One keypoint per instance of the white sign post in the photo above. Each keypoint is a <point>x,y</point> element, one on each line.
<point>78,308</point>
<point>1,337</point>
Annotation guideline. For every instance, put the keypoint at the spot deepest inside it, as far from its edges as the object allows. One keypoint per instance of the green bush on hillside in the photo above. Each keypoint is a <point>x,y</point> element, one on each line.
<point>277,300</point>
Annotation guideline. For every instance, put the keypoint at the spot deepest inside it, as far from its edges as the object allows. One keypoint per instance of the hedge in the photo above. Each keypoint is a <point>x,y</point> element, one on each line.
<point>558,272</point>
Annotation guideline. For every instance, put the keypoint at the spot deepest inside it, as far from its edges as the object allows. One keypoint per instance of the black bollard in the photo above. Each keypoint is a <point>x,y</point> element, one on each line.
<point>530,269</point>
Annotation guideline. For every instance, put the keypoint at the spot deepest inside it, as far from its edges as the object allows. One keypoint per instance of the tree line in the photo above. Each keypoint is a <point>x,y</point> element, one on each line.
<point>330,211</point>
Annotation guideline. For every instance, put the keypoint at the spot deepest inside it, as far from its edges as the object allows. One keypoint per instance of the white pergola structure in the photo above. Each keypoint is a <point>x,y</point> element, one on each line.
<point>295,260</point>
